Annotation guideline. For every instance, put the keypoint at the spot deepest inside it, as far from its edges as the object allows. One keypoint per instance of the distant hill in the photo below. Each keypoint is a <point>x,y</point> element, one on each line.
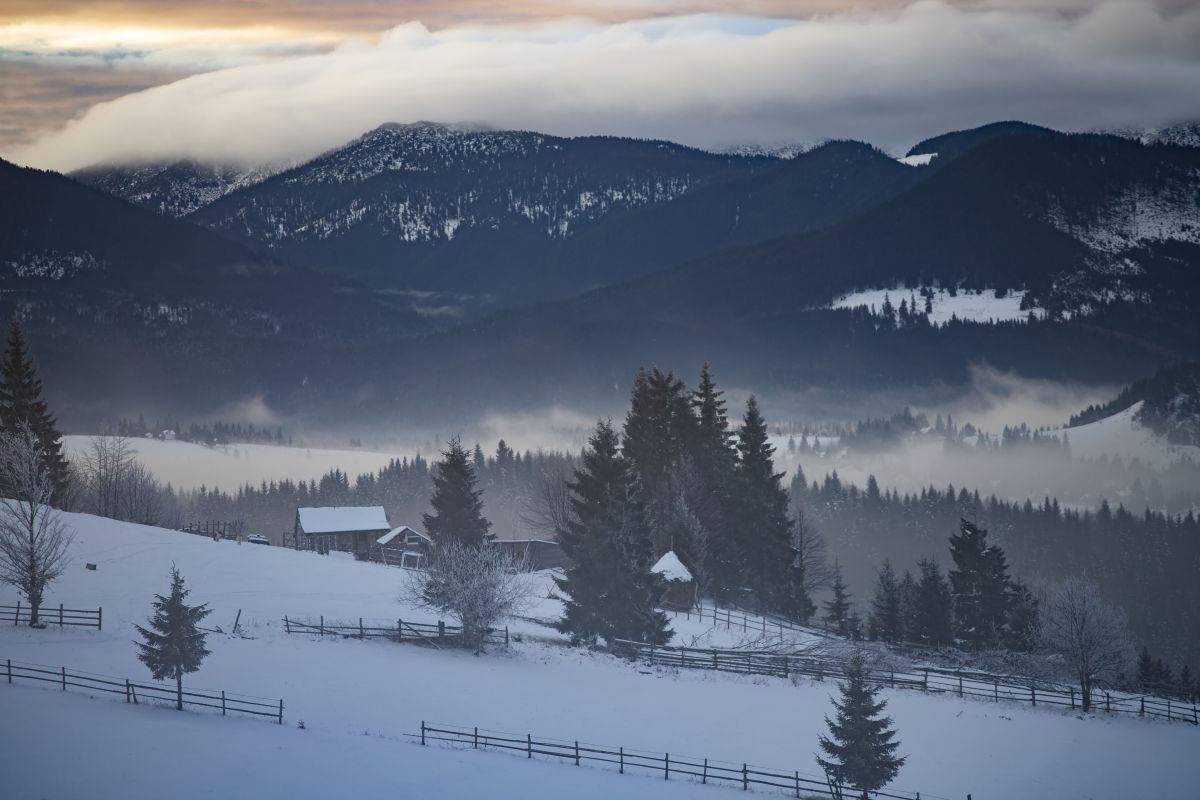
<point>1170,404</point>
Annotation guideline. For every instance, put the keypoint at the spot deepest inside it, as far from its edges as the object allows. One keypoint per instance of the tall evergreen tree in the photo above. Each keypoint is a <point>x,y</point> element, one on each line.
<point>1021,630</point>
<point>933,618</point>
<point>861,747</point>
<point>610,590</point>
<point>908,605</point>
<point>659,430</point>
<point>763,526</point>
<point>457,502</point>
<point>837,607</point>
<point>715,461</point>
<point>886,621</point>
<point>980,587</point>
<point>21,401</point>
<point>175,646</point>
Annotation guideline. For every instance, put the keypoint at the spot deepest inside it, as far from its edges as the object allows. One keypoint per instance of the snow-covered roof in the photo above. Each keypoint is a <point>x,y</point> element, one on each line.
<point>671,568</point>
<point>403,531</point>
<point>341,519</point>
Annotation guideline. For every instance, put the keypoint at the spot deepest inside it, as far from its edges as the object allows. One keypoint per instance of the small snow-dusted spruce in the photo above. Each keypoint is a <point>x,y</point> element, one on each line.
<point>476,585</point>
<point>33,536</point>
<point>176,645</point>
<point>861,746</point>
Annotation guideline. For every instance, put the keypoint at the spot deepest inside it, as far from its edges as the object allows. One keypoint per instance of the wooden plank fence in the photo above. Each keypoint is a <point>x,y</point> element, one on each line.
<point>669,765</point>
<point>48,615</point>
<point>431,634</point>
<point>143,692</point>
<point>959,682</point>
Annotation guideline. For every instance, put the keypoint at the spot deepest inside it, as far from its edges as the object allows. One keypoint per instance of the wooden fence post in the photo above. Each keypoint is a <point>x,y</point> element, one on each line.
<point>506,636</point>
<point>17,615</point>
<point>621,755</point>
<point>704,774</point>
<point>287,624</point>
<point>1142,710</point>
<point>222,702</point>
<point>960,693</point>
<point>1108,702</point>
<point>1071,689</point>
<point>64,678</point>
<point>400,631</point>
<point>100,618</point>
<point>475,738</point>
<point>441,629</point>
<point>128,691</point>
<point>361,635</point>
<point>1032,694</point>
<point>797,783</point>
<point>10,670</point>
<point>529,745</point>
<point>422,733</point>
<point>322,628</point>
<point>60,615</point>
<point>996,689</point>
<point>577,752</point>
<point>666,766</point>
<point>745,778</point>
<point>281,711</point>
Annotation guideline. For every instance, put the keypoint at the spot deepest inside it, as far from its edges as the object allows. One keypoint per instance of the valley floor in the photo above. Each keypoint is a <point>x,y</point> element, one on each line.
<point>359,699</point>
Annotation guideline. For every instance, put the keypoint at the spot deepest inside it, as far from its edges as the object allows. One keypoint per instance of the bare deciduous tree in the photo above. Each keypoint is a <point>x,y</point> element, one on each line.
<point>115,484</point>
<point>33,536</point>
<point>546,509</point>
<point>812,554</point>
<point>477,586</point>
<point>1089,633</point>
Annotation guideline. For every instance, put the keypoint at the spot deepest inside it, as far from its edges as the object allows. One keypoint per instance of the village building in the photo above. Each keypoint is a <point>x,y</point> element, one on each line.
<point>403,547</point>
<point>535,554</point>
<point>680,592</point>
<point>346,529</point>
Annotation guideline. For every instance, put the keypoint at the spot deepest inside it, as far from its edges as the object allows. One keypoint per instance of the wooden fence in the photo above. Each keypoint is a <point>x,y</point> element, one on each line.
<point>703,770</point>
<point>87,618</point>
<point>142,692</point>
<point>431,634</point>
<point>746,621</point>
<point>927,679</point>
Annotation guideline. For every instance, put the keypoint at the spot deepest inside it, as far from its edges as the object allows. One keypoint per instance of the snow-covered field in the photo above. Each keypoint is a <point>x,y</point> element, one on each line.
<point>966,305</point>
<point>188,466</point>
<point>1121,435</point>
<point>358,699</point>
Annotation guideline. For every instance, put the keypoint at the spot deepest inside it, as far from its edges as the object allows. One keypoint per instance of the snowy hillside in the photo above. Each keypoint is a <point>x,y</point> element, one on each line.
<point>186,465</point>
<point>359,699</point>
<point>1122,435</point>
<point>963,304</point>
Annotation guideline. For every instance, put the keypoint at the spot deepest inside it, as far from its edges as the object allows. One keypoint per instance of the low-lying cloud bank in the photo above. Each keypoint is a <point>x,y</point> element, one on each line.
<point>890,77</point>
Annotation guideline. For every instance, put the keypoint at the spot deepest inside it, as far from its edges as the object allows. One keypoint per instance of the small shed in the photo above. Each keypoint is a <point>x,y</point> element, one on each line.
<point>347,529</point>
<point>403,546</point>
<point>680,594</point>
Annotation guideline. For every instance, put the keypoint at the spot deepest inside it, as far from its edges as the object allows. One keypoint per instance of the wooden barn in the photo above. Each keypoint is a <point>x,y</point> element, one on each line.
<point>680,592</point>
<point>403,547</point>
<point>538,554</point>
<point>346,529</point>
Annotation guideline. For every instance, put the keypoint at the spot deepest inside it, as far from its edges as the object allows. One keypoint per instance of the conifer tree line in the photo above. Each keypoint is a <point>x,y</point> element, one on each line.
<point>1122,552</point>
<point>977,605</point>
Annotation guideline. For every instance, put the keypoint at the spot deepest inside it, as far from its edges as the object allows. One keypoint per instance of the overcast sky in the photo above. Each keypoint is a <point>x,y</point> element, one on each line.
<point>281,80</point>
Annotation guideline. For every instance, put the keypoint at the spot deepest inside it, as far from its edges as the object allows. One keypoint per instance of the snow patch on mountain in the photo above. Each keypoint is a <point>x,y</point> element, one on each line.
<point>54,265</point>
<point>919,160</point>
<point>1169,210</point>
<point>987,306</point>
<point>1122,435</point>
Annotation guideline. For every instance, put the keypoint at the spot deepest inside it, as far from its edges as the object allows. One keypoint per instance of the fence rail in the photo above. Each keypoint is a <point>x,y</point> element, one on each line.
<point>960,682</point>
<point>81,617</point>
<point>140,692</point>
<point>705,770</point>
<point>432,634</point>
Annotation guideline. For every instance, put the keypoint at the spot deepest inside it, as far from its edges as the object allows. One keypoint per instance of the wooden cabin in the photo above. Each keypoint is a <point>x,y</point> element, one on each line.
<point>680,592</point>
<point>345,529</point>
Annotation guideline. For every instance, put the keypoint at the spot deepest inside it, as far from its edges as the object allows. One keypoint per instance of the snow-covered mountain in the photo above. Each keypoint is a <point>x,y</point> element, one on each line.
<point>175,188</point>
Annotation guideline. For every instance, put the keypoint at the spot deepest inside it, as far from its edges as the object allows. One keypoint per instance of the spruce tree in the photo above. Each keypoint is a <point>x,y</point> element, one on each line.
<point>764,528</point>
<point>21,401</point>
<point>610,590</point>
<point>1021,629</point>
<point>933,622</point>
<point>1145,669</point>
<point>715,460</point>
<point>886,621</point>
<point>457,502</point>
<point>980,586</point>
<point>175,646</point>
<point>837,607</point>
<point>861,747</point>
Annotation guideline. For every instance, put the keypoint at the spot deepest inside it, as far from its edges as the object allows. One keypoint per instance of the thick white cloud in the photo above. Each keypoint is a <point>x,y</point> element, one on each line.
<point>889,78</point>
